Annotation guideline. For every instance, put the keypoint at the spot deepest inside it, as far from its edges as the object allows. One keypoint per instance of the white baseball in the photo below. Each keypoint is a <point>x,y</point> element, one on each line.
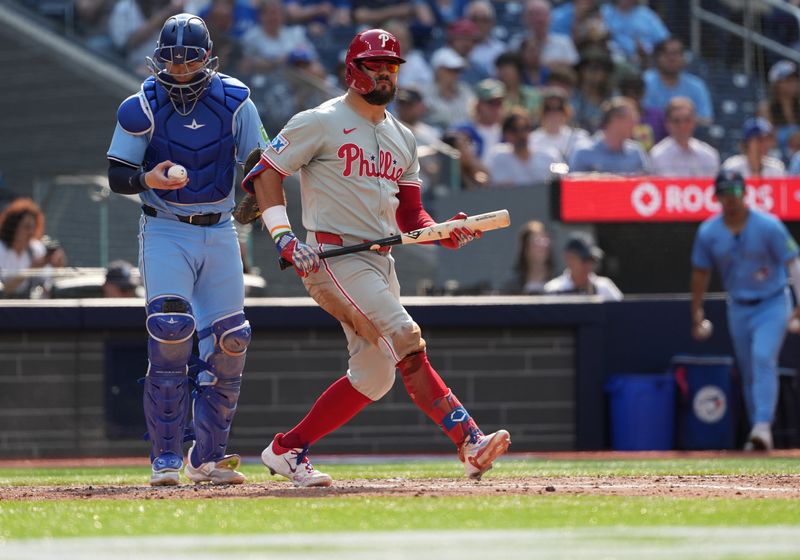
<point>794,325</point>
<point>704,329</point>
<point>177,172</point>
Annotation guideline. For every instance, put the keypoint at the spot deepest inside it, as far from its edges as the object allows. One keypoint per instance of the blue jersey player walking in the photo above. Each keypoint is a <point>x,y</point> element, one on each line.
<point>188,114</point>
<point>753,252</point>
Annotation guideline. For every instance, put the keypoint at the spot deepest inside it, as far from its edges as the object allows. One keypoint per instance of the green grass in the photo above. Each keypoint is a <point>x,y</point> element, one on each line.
<point>438,469</point>
<point>76,518</point>
<point>271,515</point>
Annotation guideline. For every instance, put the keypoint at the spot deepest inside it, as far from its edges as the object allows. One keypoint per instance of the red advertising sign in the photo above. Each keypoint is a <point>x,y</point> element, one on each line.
<point>660,199</point>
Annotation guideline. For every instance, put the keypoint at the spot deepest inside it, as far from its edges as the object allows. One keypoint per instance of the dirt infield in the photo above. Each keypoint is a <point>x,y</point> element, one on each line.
<point>782,486</point>
<point>494,483</point>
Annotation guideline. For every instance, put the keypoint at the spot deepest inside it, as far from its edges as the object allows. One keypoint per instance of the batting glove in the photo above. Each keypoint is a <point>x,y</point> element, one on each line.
<point>301,255</point>
<point>460,236</point>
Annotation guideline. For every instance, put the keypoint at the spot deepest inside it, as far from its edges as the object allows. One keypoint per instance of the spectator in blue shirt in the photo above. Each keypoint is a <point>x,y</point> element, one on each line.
<point>635,29</point>
<point>613,151</point>
<point>668,79</point>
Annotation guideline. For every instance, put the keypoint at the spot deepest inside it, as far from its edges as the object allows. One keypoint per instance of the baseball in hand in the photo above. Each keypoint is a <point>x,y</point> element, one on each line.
<point>794,326</point>
<point>704,329</point>
<point>177,172</point>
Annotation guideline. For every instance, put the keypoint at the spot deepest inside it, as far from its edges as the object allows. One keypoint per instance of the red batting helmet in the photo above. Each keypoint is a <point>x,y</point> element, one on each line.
<point>372,43</point>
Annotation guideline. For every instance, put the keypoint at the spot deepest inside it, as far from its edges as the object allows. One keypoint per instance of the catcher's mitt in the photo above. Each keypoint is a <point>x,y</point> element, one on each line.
<point>247,210</point>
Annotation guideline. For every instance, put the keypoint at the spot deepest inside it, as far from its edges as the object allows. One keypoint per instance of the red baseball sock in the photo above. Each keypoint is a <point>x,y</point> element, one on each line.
<point>432,396</point>
<point>334,408</point>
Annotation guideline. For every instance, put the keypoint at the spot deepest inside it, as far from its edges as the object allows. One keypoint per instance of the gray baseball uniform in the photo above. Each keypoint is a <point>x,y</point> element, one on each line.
<point>350,173</point>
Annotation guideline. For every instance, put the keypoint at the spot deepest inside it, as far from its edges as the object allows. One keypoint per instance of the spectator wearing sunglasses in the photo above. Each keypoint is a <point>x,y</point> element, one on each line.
<point>681,154</point>
<point>555,131</point>
<point>513,163</point>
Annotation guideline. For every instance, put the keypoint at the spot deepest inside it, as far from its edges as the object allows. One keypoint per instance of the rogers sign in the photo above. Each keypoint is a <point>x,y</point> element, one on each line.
<point>667,199</point>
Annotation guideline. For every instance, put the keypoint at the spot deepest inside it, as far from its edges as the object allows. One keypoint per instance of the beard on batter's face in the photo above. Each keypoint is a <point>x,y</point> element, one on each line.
<point>381,95</point>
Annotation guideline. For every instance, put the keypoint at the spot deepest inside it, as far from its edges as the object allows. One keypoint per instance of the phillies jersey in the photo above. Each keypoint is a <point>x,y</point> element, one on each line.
<point>350,169</point>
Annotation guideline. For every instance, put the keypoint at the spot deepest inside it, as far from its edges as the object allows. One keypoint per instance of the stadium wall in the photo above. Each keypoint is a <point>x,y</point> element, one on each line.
<point>535,365</point>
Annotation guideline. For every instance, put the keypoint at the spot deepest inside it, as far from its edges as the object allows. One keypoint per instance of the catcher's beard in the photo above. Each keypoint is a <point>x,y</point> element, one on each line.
<point>380,97</point>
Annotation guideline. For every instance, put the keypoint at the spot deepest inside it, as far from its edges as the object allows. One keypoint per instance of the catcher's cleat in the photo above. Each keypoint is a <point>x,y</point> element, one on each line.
<point>166,470</point>
<point>479,455</point>
<point>216,472</point>
<point>294,465</point>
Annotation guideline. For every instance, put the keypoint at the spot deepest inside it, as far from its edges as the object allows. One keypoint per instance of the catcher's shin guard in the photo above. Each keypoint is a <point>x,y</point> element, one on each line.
<point>218,387</point>
<point>166,397</point>
<point>432,396</point>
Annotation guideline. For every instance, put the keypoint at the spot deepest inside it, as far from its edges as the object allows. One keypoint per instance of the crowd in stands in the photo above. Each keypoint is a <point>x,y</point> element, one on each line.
<point>583,86</point>
<point>598,81</point>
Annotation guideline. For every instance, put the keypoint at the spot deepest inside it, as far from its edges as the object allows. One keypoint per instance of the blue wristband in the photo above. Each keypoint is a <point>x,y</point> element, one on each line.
<point>284,240</point>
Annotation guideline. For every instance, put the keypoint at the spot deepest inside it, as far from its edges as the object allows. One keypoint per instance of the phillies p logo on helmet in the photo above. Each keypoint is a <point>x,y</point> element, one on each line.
<point>373,43</point>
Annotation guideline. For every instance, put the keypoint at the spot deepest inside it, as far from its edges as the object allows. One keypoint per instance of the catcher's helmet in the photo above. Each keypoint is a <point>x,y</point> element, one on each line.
<point>184,39</point>
<point>372,43</point>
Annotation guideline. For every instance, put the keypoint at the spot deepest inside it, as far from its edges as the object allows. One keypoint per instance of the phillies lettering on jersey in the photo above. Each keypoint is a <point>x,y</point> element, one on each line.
<point>346,164</point>
<point>387,163</point>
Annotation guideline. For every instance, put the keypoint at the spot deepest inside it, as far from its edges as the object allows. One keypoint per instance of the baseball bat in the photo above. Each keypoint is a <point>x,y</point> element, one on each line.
<point>480,222</point>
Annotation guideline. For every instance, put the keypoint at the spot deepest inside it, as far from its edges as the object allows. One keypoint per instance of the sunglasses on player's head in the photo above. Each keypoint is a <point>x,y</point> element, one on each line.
<point>376,65</point>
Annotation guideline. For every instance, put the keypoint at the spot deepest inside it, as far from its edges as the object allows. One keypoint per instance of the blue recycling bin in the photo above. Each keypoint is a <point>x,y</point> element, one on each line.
<point>642,411</point>
<point>706,401</point>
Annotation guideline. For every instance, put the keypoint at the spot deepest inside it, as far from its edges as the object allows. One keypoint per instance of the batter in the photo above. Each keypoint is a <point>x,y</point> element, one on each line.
<point>359,176</point>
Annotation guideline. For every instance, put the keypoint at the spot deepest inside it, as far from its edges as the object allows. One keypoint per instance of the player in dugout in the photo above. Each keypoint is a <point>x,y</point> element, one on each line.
<point>359,177</point>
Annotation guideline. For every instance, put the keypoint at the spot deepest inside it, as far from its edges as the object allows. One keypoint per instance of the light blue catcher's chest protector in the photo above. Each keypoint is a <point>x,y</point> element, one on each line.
<point>202,141</point>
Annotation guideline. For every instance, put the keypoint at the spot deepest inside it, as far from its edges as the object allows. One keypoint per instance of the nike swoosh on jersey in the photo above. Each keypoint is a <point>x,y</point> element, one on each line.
<point>348,130</point>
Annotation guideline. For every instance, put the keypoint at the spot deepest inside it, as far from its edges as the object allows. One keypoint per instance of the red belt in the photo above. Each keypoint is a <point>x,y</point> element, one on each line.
<point>335,239</point>
<point>328,238</point>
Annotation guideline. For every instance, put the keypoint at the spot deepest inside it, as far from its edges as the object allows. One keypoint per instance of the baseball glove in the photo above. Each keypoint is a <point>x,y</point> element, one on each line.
<point>247,210</point>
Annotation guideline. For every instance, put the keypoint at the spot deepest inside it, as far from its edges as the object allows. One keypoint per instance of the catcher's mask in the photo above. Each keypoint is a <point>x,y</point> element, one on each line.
<point>373,43</point>
<point>184,39</point>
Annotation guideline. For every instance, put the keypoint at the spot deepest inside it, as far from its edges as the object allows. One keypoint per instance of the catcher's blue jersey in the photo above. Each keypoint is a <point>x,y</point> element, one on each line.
<point>201,264</point>
<point>220,131</point>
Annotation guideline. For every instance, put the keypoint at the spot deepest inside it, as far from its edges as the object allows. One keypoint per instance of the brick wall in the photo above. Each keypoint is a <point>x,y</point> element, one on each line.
<point>64,393</point>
